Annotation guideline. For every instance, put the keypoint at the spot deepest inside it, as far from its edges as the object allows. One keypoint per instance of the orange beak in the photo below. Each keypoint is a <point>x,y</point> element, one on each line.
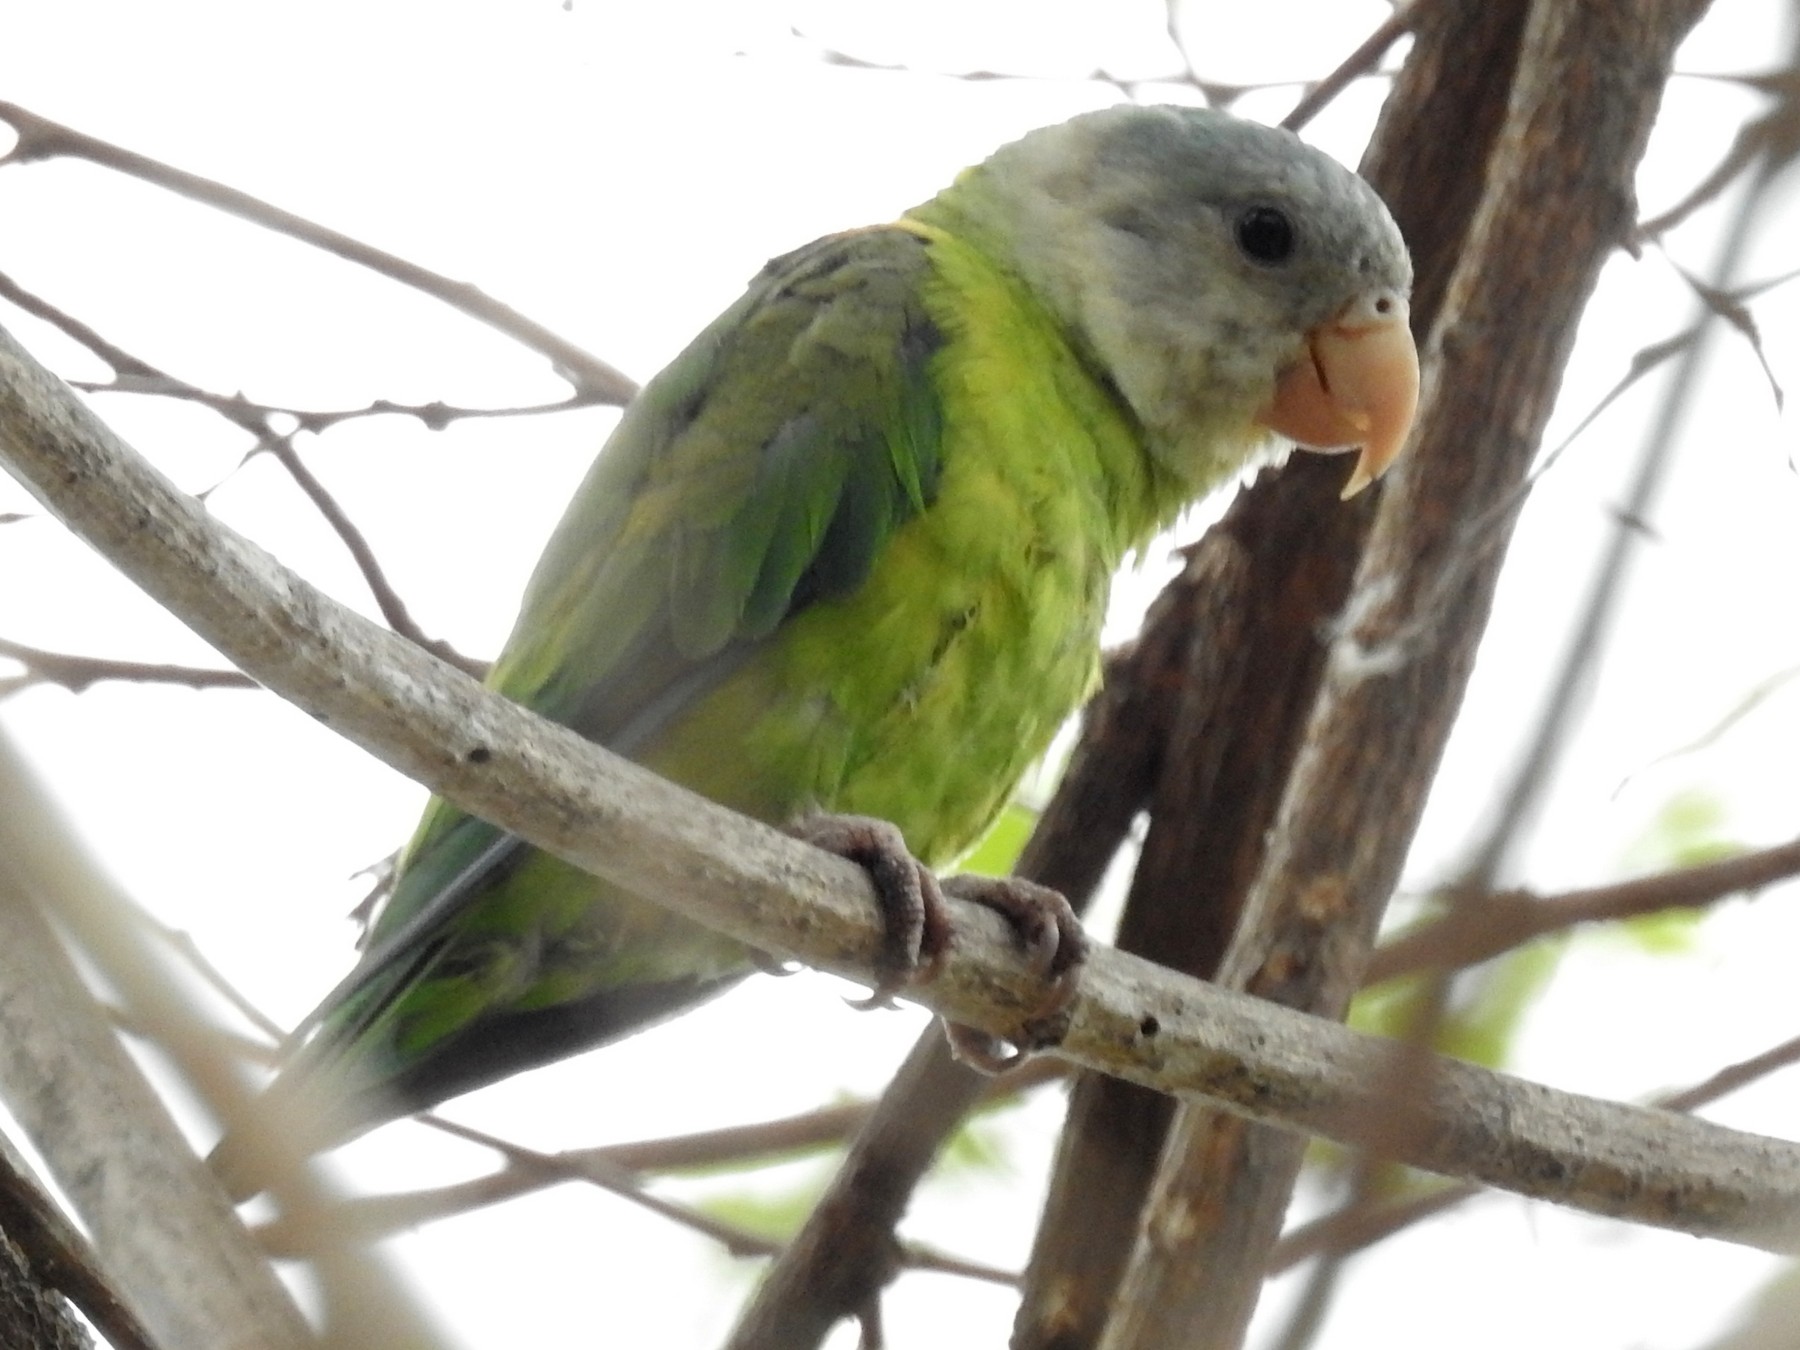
<point>1356,386</point>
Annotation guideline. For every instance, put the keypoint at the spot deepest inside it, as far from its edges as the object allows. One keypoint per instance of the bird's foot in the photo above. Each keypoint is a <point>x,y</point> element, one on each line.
<point>1058,947</point>
<point>918,931</point>
<point>912,906</point>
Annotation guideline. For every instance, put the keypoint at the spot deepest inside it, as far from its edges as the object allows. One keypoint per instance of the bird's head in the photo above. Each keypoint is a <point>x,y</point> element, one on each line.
<point>1228,279</point>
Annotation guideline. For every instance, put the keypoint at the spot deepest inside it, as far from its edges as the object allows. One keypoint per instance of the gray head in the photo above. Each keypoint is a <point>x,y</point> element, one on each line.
<point>1190,255</point>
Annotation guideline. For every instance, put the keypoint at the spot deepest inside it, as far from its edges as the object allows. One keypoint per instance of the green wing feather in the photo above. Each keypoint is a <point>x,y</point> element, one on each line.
<point>760,473</point>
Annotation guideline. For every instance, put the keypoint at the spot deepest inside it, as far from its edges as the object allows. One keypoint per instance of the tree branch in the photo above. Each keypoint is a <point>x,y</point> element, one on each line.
<point>1353,67</point>
<point>1527,785</point>
<point>132,1214</point>
<point>133,373</point>
<point>1479,929</point>
<point>40,138</point>
<point>1556,198</point>
<point>1366,1221</point>
<point>611,817</point>
<point>388,600</point>
<point>596,1168</point>
<point>748,1145</point>
<point>76,673</point>
<point>59,1257</point>
<point>163,1229</point>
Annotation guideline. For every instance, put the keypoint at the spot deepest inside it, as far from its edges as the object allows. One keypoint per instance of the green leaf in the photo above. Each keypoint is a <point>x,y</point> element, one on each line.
<point>1669,933</point>
<point>775,1213</point>
<point>979,1145</point>
<point>1491,1002</point>
<point>777,1209</point>
<point>1689,830</point>
<point>1487,1005</point>
<point>1000,847</point>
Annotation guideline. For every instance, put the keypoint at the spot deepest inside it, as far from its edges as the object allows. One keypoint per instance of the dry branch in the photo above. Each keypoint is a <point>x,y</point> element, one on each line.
<point>1480,928</point>
<point>163,1230</point>
<point>39,138</point>
<point>604,814</point>
<point>58,1258</point>
<point>133,374</point>
<point>76,673</point>
<point>1556,199</point>
<point>1368,1219</point>
<point>133,1209</point>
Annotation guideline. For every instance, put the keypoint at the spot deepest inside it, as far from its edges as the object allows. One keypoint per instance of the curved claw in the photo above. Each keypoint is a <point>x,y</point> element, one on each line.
<point>918,932</point>
<point>982,1051</point>
<point>917,924</point>
<point>1058,948</point>
<point>774,965</point>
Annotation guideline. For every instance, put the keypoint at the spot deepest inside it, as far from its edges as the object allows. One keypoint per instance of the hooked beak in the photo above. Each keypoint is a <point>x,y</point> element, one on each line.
<point>1356,385</point>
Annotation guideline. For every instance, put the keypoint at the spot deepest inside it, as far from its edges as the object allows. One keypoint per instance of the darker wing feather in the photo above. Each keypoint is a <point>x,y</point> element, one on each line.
<point>761,472</point>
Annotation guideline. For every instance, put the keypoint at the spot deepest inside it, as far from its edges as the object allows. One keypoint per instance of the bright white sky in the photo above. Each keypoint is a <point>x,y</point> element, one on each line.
<point>617,172</point>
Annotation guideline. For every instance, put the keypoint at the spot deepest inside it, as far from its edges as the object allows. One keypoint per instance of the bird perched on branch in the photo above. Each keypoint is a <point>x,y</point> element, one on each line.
<point>845,560</point>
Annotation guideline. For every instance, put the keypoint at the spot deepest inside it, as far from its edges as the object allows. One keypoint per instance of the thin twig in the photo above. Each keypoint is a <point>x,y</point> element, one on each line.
<point>1733,1077</point>
<point>134,376</point>
<point>39,138</point>
<point>1353,67</point>
<point>1483,927</point>
<point>433,416</point>
<point>1216,93</point>
<point>77,673</point>
<point>1746,705</point>
<point>609,1176</point>
<point>743,1146</point>
<point>183,945</point>
<point>132,372</point>
<point>1746,149</point>
<point>595,1168</point>
<point>387,599</point>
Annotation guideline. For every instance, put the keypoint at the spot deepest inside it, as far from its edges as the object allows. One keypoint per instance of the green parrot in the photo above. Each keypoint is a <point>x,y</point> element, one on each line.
<point>850,551</point>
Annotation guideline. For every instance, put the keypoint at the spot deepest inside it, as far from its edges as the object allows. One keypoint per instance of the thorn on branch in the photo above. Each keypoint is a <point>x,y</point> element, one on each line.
<point>1731,306</point>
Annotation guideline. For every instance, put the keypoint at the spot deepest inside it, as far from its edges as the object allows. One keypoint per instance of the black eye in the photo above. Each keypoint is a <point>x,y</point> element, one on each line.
<point>1266,234</point>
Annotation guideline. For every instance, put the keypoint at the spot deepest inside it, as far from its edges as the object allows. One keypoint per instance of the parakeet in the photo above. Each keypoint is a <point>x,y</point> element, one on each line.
<point>850,551</point>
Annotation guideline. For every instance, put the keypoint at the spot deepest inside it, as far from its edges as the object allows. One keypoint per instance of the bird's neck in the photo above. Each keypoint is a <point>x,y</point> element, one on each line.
<point>1192,415</point>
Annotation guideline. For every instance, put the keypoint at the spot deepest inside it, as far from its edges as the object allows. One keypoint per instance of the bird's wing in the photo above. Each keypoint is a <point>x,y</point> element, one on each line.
<point>760,472</point>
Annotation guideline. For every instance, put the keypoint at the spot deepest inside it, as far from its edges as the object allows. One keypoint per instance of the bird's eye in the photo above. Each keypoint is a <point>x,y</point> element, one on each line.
<point>1266,234</point>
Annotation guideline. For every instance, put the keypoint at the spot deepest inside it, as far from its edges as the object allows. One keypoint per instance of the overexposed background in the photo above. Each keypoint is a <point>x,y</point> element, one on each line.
<point>618,172</point>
